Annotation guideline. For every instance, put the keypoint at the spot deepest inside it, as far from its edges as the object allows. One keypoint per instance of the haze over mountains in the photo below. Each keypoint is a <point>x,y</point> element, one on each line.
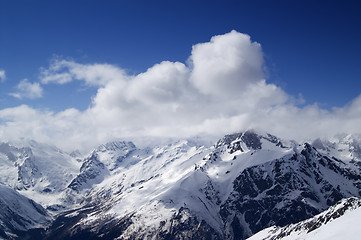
<point>244,183</point>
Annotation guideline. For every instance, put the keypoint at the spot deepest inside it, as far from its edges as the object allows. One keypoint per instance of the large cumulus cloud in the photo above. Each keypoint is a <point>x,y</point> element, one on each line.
<point>226,65</point>
<point>220,89</point>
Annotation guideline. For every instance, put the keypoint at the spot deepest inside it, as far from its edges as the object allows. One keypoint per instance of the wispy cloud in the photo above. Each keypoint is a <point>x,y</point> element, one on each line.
<point>26,89</point>
<point>2,75</point>
<point>221,89</point>
<point>64,71</point>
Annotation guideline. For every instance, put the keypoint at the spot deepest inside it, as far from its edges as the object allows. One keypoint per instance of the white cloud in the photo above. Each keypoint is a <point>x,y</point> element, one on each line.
<point>65,71</point>
<point>164,82</point>
<point>221,91</point>
<point>2,75</point>
<point>226,64</point>
<point>27,89</point>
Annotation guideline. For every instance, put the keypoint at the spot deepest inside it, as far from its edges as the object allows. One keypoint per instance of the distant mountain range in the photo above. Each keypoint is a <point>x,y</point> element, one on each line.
<point>244,184</point>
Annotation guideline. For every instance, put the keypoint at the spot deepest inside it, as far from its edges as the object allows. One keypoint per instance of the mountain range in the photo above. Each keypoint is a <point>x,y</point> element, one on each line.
<point>246,184</point>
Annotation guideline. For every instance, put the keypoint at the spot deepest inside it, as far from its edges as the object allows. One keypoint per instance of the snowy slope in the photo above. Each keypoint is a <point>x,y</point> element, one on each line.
<point>338,222</point>
<point>140,185</point>
<point>18,213</point>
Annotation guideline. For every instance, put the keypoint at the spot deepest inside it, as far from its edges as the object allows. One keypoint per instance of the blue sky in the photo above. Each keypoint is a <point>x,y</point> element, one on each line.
<point>310,48</point>
<point>309,45</point>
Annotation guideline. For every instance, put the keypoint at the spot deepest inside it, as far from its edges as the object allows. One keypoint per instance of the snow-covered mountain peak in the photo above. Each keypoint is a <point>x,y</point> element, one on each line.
<point>250,140</point>
<point>116,154</point>
<point>177,147</point>
<point>347,147</point>
<point>116,146</point>
<point>92,171</point>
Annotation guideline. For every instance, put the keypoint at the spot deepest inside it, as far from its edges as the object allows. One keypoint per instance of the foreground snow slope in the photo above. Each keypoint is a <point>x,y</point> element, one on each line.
<point>341,221</point>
